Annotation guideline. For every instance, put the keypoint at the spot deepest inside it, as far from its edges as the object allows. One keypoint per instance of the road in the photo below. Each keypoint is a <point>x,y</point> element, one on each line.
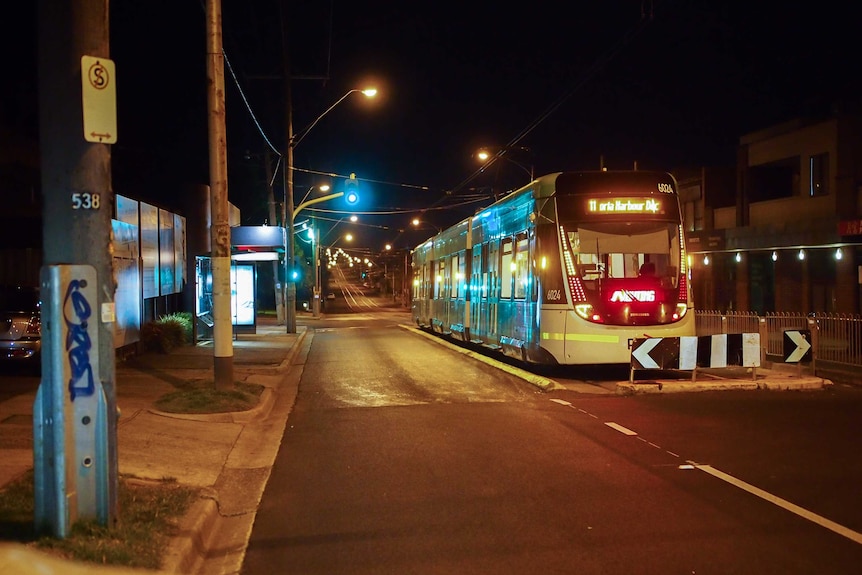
<point>404,456</point>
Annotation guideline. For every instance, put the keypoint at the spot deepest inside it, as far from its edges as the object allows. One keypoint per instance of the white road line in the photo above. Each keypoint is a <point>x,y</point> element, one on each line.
<point>561,402</point>
<point>620,428</point>
<point>854,536</point>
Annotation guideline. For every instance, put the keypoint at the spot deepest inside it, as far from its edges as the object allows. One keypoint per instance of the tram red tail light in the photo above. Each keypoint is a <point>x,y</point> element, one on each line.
<point>682,298</point>
<point>682,294</point>
<point>576,288</point>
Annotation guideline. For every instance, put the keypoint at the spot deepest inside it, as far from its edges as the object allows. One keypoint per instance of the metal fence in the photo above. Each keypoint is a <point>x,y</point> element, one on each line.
<point>836,338</point>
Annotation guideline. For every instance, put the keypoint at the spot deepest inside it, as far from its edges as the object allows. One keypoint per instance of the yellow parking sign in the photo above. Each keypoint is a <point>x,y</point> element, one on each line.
<point>99,96</point>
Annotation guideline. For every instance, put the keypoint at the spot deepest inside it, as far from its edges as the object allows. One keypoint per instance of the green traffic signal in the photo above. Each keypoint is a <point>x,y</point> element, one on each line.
<point>351,190</point>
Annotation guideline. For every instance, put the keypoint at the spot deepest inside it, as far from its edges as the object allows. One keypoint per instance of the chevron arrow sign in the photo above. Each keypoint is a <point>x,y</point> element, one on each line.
<point>655,353</point>
<point>797,346</point>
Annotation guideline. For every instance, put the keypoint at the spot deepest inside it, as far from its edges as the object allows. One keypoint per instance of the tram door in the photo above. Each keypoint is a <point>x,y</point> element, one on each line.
<point>476,290</point>
<point>491,292</point>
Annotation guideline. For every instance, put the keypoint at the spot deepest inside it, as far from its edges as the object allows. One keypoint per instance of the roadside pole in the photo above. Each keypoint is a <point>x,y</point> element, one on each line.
<point>287,208</point>
<point>75,412</point>
<point>220,231</point>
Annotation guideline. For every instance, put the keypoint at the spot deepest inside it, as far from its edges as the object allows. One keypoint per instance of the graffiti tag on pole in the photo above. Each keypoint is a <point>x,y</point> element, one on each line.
<point>76,314</point>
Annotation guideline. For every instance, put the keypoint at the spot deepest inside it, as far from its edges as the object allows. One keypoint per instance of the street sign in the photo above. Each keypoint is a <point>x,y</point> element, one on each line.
<point>690,352</point>
<point>797,346</point>
<point>655,353</point>
<point>99,99</point>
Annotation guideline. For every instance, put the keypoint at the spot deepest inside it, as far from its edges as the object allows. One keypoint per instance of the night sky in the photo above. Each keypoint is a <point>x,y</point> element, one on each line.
<point>666,84</point>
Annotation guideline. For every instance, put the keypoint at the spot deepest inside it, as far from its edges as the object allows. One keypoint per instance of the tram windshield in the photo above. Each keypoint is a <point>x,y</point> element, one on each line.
<point>616,251</point>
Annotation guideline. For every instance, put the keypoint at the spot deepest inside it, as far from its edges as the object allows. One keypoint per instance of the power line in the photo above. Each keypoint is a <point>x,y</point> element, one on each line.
<point>588,75</point>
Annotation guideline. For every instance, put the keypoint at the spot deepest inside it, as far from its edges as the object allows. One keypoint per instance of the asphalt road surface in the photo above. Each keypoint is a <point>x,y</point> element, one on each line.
<point>404,456</point>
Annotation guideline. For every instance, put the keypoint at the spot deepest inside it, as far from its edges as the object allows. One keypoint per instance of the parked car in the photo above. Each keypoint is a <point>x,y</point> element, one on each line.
<point>20,325</point>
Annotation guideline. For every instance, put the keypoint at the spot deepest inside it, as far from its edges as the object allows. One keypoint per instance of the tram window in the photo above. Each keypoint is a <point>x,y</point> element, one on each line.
<point>462,275</point>
<point>493,270</point>
<point>507,271</point>
<point>522,268</point>
<point>447,279</point>
<point>456,275</point>
<point>475,271</point>
<point>605,252</point>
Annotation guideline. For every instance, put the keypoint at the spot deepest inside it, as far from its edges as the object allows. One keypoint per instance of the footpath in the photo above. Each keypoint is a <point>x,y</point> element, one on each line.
<point>229,456</point>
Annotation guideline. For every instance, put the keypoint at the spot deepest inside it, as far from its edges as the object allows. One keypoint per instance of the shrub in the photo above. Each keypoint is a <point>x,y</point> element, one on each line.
<point>167,332</point>
<point>184,320</point>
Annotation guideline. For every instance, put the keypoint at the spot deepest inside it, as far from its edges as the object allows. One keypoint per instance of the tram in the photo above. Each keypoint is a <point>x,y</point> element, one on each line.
<point>567,270</point>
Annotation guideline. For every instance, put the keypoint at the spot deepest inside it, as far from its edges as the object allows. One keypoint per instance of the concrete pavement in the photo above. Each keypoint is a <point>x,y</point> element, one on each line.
<point>229,456</point>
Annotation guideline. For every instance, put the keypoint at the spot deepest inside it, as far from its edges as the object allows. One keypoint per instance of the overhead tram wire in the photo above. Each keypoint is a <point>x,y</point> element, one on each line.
<point>245,99</point>
<point>590,73</point>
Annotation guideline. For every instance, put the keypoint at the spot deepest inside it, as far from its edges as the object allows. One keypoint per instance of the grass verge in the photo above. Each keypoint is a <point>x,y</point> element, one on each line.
<point>204,398</point>
<point>148,511</point>
<point>149,514</point>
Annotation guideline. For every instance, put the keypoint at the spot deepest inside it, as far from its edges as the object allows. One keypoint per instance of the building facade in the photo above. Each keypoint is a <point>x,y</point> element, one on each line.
<point>783,232</point>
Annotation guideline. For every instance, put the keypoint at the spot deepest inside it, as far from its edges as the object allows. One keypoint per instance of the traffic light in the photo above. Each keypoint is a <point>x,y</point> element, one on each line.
<point>294,273</point>
<point>351,190</point>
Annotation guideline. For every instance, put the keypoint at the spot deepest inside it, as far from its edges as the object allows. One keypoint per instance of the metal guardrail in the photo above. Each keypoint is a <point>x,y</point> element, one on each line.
<point>837,338</point>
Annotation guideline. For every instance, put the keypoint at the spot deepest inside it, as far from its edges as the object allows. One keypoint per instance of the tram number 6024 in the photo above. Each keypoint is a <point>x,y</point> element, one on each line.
<point>86,201</point>
<point>555,295</point>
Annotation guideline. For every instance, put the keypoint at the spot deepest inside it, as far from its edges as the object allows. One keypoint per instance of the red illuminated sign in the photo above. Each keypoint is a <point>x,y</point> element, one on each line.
<point>850,228</point>
<point>629,295</point>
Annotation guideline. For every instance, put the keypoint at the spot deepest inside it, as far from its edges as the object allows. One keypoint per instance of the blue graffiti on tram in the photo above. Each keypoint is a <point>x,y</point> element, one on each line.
<point>76,313</point>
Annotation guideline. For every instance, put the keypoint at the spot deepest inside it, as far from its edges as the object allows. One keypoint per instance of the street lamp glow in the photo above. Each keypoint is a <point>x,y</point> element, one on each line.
<point>298,137</point>
<point>484,155</point>
<point>417,223</point>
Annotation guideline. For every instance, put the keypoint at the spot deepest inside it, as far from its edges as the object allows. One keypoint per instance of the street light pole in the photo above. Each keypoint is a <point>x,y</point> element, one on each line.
<point>288,212</point>
<point>291,241</point>
<point>417,224</point>
<point>485,156</point>
<point>315,267</point>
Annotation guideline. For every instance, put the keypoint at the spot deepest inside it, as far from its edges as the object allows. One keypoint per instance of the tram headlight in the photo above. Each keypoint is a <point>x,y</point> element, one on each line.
<point>681,308</point>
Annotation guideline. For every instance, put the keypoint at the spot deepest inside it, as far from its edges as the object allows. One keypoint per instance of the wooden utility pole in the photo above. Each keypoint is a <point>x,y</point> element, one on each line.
<point>273,221</point>
<point>220,232</point>
<point>75,411</point>
<point>287,209</point>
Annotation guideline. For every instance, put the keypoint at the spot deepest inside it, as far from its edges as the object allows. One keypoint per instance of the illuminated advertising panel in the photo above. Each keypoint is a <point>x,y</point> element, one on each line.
<point>127,297</point>
<point>242,283</point>
<point>167,261</point>
<point>150,249</point>
<point>179,253</point>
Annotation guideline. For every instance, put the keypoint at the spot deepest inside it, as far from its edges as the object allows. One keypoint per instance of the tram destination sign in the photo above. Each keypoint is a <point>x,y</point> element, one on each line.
<point>625,206</point>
